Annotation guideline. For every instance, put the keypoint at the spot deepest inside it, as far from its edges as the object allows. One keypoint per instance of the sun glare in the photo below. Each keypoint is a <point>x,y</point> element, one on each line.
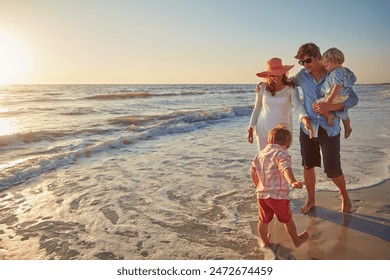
<point>14,60</point>
<point>7,127</point>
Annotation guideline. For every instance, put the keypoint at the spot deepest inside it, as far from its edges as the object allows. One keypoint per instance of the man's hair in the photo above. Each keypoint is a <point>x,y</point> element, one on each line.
<point>280,135</point>
<point>309,49</point>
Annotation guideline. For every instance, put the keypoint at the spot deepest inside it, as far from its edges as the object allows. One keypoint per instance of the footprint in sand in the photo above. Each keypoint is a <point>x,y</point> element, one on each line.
<point>75,204</point>
<point>108,256</point>
<point>110,214</point>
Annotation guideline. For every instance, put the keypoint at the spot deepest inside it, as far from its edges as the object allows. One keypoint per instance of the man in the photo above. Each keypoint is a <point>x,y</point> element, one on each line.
<point>326,139</point>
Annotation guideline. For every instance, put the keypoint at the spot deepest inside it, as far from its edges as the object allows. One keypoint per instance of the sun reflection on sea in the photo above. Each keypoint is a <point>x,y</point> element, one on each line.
<point>7,125</point>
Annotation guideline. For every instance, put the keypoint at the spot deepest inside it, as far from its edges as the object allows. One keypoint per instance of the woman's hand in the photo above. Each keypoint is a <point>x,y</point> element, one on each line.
<point>249,135</point>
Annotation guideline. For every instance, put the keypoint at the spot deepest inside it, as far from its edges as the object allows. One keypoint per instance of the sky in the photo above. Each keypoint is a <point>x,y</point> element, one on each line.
<point>184,41</point>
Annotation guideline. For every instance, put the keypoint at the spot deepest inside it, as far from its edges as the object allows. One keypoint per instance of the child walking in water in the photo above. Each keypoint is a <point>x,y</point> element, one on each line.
<point>272,175</point>
<point>337,86</point>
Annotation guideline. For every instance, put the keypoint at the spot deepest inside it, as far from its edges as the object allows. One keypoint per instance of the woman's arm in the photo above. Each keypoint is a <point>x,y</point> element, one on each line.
<point>255,114</point>
<point>256,109</point>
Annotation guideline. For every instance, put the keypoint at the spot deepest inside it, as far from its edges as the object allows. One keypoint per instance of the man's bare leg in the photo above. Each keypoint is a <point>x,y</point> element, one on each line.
<point>309,176</point>
<point>346,204</point>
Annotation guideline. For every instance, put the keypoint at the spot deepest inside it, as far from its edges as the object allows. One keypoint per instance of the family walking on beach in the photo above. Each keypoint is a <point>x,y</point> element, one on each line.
<point>327,97</point>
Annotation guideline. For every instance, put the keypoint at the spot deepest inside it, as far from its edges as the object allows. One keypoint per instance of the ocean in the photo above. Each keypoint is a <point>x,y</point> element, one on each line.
<point>150,171</point>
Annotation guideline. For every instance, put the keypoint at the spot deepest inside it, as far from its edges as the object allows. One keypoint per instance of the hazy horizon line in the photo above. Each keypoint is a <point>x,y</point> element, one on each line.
<point>53,84</point>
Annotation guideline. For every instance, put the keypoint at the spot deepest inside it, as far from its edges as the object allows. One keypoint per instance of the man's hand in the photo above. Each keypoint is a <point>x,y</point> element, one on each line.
<point>306,123</point>
<point>321,108</point>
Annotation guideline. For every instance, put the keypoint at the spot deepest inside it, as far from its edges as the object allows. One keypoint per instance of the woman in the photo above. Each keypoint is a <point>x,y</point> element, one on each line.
<point>274,100</point>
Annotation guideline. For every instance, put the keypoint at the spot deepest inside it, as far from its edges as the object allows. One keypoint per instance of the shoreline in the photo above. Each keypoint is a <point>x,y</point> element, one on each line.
<point>361,235</point>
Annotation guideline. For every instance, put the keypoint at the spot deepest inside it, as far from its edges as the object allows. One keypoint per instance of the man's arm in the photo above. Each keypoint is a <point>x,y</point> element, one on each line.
<point>352,101</point>
<point>321,108</point>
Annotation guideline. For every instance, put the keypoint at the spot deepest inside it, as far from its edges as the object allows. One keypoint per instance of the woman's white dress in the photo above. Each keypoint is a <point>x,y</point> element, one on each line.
<point>269,111</point>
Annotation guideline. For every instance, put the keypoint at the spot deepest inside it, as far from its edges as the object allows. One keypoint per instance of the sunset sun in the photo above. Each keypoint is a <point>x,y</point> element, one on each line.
<point>14,60</point>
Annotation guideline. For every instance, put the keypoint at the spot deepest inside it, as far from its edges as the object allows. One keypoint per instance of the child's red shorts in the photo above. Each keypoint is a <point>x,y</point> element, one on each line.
<point>280,207</point>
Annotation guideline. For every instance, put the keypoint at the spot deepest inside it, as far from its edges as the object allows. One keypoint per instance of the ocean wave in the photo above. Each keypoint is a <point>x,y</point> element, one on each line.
<point>191,93</point>
<point>240,91</point>
<point>182,117</point>
<point>130,95</point>
<point>139,128</point>
<point>120,95</point>
<point>133,122</point>
<point>45,135</point>
<point>19,171</point>
<point>5,114</point>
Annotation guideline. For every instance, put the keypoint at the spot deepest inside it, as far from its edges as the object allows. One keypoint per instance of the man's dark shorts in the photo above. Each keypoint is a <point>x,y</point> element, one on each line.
<point>329,146</point>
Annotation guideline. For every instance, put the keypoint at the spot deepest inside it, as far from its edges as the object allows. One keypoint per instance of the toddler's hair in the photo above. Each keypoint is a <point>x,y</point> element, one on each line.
<point>334,55</point>
<point>280,135</point>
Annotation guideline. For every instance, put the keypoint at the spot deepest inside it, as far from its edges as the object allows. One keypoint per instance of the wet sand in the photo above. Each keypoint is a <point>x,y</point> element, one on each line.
<point>33,234</point>
<point>361,235</point>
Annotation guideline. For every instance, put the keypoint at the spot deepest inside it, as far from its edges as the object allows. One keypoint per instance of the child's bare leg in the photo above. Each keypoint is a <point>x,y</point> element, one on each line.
<point>329,117</point>
<point>347,128</point>
<point>292,231</point>
<point>263,233</point>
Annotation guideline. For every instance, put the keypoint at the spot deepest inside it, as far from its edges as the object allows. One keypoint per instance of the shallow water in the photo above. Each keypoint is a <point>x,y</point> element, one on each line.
<point>140,177</point>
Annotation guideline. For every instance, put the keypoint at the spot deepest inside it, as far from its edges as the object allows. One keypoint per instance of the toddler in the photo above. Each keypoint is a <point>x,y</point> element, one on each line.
<point>337,86</point>
<point>272,175</point>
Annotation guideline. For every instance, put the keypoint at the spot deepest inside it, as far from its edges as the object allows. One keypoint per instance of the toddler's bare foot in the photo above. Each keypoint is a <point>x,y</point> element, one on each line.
<point>264,243</point>
<point>302,238</point>
<point>307,207</point>
<point>347,133</point>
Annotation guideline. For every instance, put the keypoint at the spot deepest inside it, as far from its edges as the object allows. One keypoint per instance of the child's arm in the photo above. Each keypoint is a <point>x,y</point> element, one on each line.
<point>289,175</point>
<point>254,176</point>
<point>334,93</point>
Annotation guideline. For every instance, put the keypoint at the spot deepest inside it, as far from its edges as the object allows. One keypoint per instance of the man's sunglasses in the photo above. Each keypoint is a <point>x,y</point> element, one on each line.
<point>302,62</point>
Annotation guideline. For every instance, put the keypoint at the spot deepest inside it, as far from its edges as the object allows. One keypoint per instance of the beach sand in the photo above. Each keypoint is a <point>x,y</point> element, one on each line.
<point>362,235</point>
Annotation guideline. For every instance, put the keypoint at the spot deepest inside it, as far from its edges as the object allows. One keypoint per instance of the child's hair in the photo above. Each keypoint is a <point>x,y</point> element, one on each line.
<point>334,55</point>
<point>309,49</point>
<point>280,135</point>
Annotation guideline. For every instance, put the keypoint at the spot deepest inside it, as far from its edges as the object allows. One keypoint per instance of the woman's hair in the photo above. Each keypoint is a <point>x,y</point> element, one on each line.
<point>270,85</point>
<point>309,49</point>
<point>280,135</point>
<point>334,55</point>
